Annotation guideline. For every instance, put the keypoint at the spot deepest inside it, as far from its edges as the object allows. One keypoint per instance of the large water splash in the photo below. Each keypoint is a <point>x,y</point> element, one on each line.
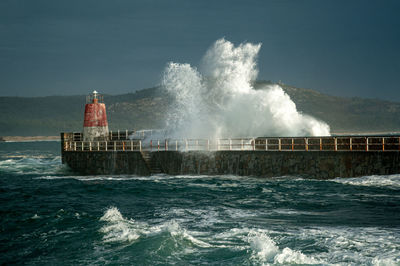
<point>219,101</point>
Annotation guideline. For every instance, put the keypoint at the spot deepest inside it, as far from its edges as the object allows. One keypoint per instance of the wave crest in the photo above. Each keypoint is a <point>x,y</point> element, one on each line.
<point>265,250</point>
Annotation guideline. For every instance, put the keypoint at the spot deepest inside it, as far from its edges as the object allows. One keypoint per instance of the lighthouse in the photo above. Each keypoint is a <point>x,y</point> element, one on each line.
<point>95,126</point>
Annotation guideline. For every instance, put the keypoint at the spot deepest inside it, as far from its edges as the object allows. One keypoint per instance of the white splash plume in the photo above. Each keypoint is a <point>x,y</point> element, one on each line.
<point>219,101</point>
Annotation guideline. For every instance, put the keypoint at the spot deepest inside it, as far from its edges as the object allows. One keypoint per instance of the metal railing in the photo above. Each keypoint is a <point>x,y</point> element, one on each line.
<point>376,143</point>
<point>115,135</point>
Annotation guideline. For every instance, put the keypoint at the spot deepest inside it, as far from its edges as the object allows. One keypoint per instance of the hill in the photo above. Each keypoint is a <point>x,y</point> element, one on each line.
<point>147,108</point>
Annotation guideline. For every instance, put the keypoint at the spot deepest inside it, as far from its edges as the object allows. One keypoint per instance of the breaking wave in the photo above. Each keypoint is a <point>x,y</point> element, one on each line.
<point>219,100</point>
<point>372,181</point>
<point>120,229</point>
<point>355,246</point>
<point>265,250</point>
<point>32,165</point>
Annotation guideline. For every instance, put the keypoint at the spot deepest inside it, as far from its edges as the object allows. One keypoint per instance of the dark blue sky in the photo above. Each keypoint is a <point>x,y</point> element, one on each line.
<point>344,48</point>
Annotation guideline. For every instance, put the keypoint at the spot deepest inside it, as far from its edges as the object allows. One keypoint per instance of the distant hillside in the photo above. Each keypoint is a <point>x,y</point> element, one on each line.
<point>147,108</point>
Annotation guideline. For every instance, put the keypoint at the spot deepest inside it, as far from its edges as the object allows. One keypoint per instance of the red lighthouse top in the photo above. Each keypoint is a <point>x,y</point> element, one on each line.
<point>95,111</point>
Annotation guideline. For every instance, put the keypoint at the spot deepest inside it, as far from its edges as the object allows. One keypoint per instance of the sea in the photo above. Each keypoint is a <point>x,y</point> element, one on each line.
<point>52,216</point>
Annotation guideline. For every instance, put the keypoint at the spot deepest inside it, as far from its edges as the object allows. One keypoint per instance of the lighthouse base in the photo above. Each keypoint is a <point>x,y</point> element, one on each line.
<point>95,133</point>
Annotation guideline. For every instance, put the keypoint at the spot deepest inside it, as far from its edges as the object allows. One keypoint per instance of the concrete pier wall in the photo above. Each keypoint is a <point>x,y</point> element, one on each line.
<point>101,162</point>
<point>309,164</point>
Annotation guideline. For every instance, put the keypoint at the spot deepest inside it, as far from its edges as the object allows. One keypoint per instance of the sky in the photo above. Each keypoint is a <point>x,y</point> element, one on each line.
<point>345,48</point>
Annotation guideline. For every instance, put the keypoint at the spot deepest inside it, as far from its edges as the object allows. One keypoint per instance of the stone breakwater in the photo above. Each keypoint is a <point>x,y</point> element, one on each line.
<point>315,164</point>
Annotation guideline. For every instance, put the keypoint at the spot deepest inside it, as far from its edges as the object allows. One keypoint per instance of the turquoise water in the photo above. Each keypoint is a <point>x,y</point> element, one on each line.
<point>50,215</point>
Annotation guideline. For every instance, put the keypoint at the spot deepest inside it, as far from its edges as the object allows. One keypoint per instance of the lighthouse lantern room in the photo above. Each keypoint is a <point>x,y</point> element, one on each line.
<point>95,125</point>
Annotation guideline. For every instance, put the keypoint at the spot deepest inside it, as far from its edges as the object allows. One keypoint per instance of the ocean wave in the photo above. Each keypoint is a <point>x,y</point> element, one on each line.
<point>120,229</point>
<point>336,246</point>
<point>261,247</point>
<point>392,181</point>
<point>32,165</point>
<point>93,178</point>
<point>265,250</point>
<point>155,178</point>
<point>354,246</point>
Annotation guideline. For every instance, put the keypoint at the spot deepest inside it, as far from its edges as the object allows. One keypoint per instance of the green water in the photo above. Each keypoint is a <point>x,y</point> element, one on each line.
<point>50,215</point>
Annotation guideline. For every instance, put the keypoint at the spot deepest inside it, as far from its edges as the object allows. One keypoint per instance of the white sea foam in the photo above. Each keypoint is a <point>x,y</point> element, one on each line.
<point>385,261</point>
<point>34,217</point>
<point>120,229</point>
<point>117,228</point>
<point>338,245</point>
<point>373,181</point>
<point>95,178</point>
<point>180,233</point>
<point>263,247</point>
<point>154,178</point>
<point>265,250</point>
<point>289,256</point>
<point>355,246</point>
<point>219,100</point>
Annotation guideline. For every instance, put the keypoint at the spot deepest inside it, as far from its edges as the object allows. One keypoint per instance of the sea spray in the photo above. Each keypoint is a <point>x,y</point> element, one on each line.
<point>219,101</point>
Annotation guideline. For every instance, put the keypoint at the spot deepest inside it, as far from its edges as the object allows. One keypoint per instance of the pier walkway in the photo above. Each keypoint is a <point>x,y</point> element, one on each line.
<point>127,141</point>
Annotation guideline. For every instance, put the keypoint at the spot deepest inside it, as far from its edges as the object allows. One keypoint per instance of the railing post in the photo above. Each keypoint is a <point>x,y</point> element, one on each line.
<point>254,144</point>
<point>320,144</point>
<point>115,144</point>
<point>118,134</point>
<point>106,145</point>
<point>126,134</point>
<point>131,145</point>
<point>306,142</point>
<point>186,145</point>
<point>82,146</point>
<point>292,144</point>
<point>166,145</point>
<point>140,145</point>
<point>266,144</point>
<point>98,146</point>
<point>383,143</point>
<point>279,144</point>
<point>176,145</point>
<point>366,144</point>
<point>75,146</point>
<point>351,143</point>
<point>335,139</point>
<point>158,145</point>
